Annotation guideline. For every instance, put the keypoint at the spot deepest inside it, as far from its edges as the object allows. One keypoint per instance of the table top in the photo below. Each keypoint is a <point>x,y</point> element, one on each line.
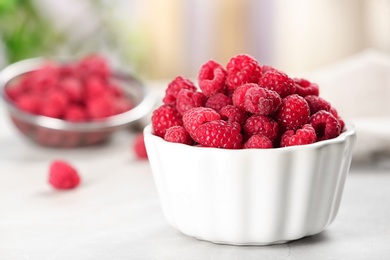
<point>115,213</point>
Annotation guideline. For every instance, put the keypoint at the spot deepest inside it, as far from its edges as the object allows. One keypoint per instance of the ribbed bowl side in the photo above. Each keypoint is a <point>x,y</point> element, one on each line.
<point>249,196</point>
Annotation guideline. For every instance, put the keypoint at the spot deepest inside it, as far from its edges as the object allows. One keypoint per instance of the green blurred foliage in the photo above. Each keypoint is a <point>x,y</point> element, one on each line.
<point>23,31</point>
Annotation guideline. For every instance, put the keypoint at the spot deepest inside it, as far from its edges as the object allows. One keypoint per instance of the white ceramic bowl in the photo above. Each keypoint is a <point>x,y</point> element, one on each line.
<point>250,196</point>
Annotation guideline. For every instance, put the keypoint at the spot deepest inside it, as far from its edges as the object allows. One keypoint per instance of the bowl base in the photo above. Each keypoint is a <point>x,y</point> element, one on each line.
<point>246,243</point>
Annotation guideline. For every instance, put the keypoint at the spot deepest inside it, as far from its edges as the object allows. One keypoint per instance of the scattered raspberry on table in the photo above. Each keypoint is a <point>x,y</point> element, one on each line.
<point>245,105</point>
<point>139,147</point>
<point>63,176</point>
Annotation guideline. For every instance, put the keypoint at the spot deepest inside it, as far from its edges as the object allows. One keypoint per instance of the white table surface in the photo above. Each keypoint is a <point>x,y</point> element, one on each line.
<point>115,213</point>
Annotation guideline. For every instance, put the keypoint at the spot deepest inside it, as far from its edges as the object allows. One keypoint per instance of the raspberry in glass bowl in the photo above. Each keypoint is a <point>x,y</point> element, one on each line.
<point>60,103</point>
<point>265,164</point>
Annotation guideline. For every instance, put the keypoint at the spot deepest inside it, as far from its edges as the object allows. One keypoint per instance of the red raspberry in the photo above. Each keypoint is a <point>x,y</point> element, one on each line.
<point>44,79</point>
<point>238,96</point>
<point>68,70</point>
<point>242,69</point>
<point>29,103</point>
<point>121,105</point>
<point>14,91</point>
<point>211,78</point>
<point>174,88</point>
<point>75,113</point>
<point>262,101</point>
<point>199,99</point>
<point>266,68</point>
<point>259,142</point>
<point>187,99</point>
<point>195,117</point>
<point>54,104</point>
<point>116,91</point>
<point>95,86</point>
<point>256,100</point>
<point>94,65</point>
<point>100,107</point>
<point>63,176</point>
<point>73,88</point>
<point>219,134</point>
<point>263,125</point>
<point>342,123</point>
<point>177,134</point>
<point>218,101</point>
<point>294,112</point>
<point>233,114</point>
<point>305,135</point>
<point>305,87</point>
<point>277,81</point>
<point>163,118</point>
<point>334,112</point>
<point>139,147</point>
<point>326,125</point>
<point>316,104</point>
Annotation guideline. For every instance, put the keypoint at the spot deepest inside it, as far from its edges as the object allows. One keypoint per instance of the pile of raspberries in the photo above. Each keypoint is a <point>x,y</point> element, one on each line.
<point>80,91</point>
<point>244,105</point>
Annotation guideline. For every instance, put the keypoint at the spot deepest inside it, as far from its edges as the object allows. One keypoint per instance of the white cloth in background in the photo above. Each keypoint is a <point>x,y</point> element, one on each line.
<point>359,87</point>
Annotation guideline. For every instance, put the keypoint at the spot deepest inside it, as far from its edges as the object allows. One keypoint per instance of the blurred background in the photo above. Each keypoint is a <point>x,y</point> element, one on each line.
<point>160,39</point>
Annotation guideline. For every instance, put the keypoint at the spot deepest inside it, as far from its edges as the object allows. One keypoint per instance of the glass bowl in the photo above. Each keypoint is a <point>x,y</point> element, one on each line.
<point>54,132</point>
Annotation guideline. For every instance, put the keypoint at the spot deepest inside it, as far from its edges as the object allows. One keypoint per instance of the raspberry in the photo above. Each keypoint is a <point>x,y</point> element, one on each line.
<point>305,88</point>
<point>294,112</point>
<point>305,135</point>
<point>94,65</point>
<point>256,100</point>
<point>116,91</point>
<point>233,114</point>
<point>342,123</point>
<point>29,103</point>
<point>262,101</point>
<point>334,112</point>
<point>63,176</point>
<point>326,125</point>
<point>73,88</point>
<point>238,96</point>
<point>242,69</point>
<point>277,81</point>
<point>14,91</point>
<point>94,86</point>
<point>266,68</point>
<point>316,104</point>
<point>218,134</point>
<point>218,101</point>
<point>263,125</point>
<point>195,117</point>
<point>177,134</point>
<point>121,105</point>
<point>100,107</point>
<point>174,88</point>
<point>68,70</point>
<point>258,141</point>
<point>44,79</point>
<point>163,118</point>
<point>187,99</point>
<point>211,78</point>
<point>54,104</point>
<point>75,113</point>
<point>139,147</point>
